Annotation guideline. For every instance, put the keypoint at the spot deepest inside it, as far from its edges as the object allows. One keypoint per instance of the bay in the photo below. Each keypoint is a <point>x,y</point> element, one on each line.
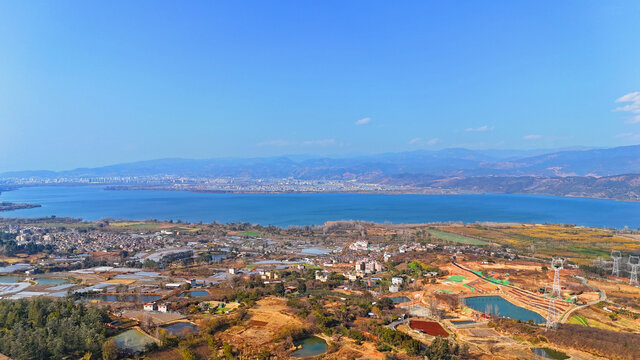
<point>95,203</point>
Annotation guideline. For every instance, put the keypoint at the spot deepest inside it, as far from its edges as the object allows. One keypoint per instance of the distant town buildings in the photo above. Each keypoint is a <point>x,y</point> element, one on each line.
<point>368,266</point>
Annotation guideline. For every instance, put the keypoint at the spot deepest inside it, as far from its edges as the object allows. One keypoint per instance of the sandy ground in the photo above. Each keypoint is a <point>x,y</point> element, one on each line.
<point>158,318</point>
<point>267,318</point>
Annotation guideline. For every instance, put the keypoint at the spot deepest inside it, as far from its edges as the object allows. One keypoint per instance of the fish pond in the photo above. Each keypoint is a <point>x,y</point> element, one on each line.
<point>132,340</point>
<point>399,299</point>
<point>311,346</point>
<point>548,353</point>
<point>182,328</point>
<point>499,306</point>
<point>52,281</point>
<point>196,293</point>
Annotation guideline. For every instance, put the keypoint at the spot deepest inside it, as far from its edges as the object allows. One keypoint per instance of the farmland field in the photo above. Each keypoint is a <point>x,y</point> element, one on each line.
<point>581,244</point>
<point>456,238</point>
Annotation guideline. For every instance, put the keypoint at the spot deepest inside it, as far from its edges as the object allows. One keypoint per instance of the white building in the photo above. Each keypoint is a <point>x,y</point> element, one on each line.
<point>322,275</point>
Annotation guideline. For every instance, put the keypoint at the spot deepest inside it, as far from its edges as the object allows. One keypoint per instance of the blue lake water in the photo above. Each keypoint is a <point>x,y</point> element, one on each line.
<point>94,203</point>
<point>311,346</point>
<point>497,305</point>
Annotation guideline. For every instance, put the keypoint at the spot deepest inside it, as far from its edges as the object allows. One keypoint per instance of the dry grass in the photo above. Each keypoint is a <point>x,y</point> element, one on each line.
<point>581,244</point>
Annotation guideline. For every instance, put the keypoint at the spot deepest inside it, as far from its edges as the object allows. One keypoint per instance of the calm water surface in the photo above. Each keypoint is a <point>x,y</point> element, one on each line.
<point>197,293</point>
<point>497,305</point>
<point>94,203</point>
<point>311,346</point>
<point>181,328</point>
<point>132,340</point>
<point>548,353</point>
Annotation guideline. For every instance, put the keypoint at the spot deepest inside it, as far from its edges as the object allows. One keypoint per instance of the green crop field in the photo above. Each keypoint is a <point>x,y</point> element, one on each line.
<point>578,319</point>
<point>456,238</point>
<point>251,233</point>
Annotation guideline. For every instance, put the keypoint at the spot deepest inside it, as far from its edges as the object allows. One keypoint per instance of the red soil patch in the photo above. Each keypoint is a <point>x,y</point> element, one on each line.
<point>429,327</point>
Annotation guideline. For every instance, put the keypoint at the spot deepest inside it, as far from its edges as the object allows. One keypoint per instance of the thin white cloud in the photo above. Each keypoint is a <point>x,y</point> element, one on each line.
<point>421,141</point>
<point>532,137</point>
<point>628,136</point>
<point>633,106</point>
<point>275,143</point>
<point>321,142</point>
<point>284,143</point>
<point>482,128</point>
<point>363,121</point>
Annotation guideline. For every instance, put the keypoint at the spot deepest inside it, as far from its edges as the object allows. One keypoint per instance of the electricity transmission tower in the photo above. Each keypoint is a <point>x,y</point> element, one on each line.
<point>552,315</point>
<point>616,256</point>
<point>556,291</point>
<point>634,263</point>
<point>556,265</point>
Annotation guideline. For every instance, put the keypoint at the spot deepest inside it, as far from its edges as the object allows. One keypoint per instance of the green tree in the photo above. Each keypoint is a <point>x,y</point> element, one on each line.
<point>109,350</point>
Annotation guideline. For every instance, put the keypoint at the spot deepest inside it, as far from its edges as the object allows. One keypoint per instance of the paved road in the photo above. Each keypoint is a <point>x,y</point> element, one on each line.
<point>603,297</point>
<point>392,325</point>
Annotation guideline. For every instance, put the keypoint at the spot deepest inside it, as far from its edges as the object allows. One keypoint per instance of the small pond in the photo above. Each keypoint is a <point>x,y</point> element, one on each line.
<point>311,346</point>
<point>182,328</point>
<point>462,322</point>
<point>548,353</point>
<point>52,281</point>
<point>497,305</point>
<point>132,340</point>
<point>196,293</point>
<point>315,251</point>
<point>217,258</point>
<point>124,298</point>
<point>8,279</point>
<point>399,299</point>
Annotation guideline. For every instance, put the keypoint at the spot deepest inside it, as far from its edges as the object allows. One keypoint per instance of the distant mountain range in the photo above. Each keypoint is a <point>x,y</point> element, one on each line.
<point>575,172</point>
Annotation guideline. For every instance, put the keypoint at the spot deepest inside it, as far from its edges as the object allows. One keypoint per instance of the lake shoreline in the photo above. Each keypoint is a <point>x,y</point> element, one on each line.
<point>413,191</point>
<point>299,209</point>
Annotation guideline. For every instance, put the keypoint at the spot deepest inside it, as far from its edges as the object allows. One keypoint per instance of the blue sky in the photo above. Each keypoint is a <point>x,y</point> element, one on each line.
<point>93,83</point>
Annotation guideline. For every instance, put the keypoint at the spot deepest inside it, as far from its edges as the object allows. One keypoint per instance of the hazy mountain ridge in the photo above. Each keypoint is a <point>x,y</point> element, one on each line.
<point>447,162</point>
<point>590,172</point>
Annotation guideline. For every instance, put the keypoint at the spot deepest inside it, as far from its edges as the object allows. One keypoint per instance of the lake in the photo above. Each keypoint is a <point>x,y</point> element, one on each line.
<point>497,305</point>
<point>95,203</point>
